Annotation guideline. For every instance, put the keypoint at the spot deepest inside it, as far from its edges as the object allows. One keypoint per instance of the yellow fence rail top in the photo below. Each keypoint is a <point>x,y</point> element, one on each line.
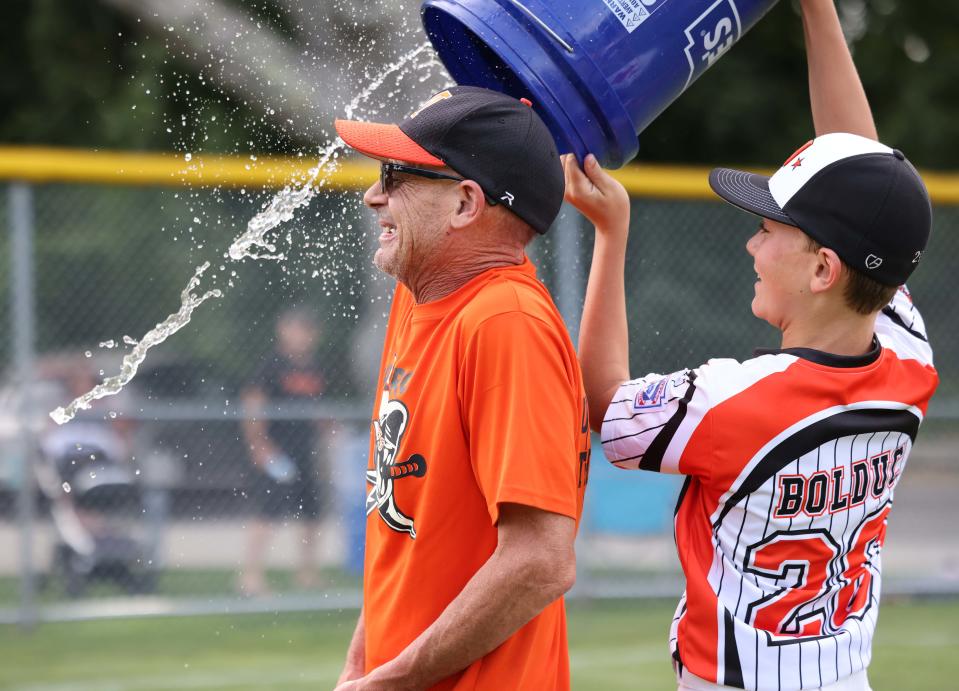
<point>44,165</point>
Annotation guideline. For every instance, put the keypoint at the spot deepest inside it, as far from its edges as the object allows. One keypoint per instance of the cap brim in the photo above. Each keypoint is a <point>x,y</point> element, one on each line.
<point>749,192</point>
<point>384,142</point>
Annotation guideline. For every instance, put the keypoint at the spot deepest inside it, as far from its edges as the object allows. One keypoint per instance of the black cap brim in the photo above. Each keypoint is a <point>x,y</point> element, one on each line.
<point>749,192</point>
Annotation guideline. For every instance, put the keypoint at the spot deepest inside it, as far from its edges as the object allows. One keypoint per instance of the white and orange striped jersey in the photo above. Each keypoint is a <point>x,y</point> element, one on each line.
<point>792,459</point>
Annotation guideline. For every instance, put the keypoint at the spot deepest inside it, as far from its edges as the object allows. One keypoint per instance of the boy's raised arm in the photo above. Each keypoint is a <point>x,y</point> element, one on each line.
<point>603,334</point>
<point>836,94</point>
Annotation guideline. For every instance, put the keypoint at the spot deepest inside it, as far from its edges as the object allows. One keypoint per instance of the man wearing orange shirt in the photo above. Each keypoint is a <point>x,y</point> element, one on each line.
<point>479,447</point>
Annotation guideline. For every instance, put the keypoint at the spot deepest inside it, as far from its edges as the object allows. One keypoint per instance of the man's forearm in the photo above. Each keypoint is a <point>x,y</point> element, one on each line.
<point>504,595</point>
<point>355,663</point>
<point>836,94</point>
<point>258,442</point>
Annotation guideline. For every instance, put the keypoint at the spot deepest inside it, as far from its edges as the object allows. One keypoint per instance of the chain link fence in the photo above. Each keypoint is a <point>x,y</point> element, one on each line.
<point>151,500</point>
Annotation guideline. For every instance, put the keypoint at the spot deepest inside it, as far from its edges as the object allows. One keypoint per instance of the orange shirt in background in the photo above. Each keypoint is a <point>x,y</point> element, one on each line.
<point>481,403</point>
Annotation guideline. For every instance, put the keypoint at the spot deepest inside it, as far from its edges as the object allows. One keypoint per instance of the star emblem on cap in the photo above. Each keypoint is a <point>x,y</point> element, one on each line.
<point>797,163</point>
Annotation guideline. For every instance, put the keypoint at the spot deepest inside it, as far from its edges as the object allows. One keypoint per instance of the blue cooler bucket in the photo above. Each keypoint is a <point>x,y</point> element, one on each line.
<point>597,71</point>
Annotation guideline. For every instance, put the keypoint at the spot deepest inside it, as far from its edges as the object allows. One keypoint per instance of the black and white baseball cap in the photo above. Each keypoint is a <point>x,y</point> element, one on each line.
<point>494,139</point>
<point>854,195</point>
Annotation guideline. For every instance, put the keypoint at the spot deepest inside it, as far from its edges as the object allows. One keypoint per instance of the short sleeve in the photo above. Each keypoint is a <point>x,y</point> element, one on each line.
<point>641,421</point>
<point>667,423</point>
<point>522,403</point>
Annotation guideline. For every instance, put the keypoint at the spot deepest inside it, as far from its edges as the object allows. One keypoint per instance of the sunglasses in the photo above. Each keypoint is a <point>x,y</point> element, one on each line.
<point>388,181</point>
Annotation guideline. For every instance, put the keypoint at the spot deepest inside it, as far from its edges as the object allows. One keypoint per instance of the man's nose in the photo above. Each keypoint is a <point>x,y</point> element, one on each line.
<point>374,196</point>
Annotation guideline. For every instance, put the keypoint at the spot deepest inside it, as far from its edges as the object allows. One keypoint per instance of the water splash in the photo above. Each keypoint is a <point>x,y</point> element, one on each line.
<point>253,243</point>
<point>132,360</point>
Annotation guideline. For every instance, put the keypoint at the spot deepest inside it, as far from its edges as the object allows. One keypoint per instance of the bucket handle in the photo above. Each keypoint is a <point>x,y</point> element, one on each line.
<point>543,25</point>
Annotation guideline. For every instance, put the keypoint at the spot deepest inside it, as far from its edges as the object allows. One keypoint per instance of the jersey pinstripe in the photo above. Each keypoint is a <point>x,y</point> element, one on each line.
<point>792,459</point>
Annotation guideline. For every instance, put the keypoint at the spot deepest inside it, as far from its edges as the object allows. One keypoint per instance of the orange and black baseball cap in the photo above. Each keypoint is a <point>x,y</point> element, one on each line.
<point>496,140</point>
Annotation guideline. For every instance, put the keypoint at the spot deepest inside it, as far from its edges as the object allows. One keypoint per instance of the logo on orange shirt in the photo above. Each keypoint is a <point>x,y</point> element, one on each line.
<point>389,430</point>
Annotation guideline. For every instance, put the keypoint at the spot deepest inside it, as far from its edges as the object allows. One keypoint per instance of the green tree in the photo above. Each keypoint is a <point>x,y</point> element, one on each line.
<point>753,105</point>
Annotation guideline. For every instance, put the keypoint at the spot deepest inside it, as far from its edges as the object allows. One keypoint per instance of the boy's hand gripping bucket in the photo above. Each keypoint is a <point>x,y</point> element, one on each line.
<point>597,71</point>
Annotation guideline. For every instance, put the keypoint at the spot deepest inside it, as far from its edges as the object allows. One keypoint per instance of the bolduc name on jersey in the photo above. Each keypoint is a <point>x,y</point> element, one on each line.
<point>830,491</point>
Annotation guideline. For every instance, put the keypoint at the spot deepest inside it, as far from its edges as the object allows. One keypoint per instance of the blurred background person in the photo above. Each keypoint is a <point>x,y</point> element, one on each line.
<point>88,476</point>
<point>283,447</point>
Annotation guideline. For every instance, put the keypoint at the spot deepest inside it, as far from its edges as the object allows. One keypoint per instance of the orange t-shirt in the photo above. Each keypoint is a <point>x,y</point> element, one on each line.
<point>482,403</point>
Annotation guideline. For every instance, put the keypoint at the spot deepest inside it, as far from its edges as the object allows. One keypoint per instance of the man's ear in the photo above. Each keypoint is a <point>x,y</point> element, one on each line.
<point>470,204</point>
<point>827,271</point>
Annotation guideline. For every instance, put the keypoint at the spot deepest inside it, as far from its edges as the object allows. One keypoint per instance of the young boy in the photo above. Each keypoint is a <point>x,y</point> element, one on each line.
<point>792,456</point>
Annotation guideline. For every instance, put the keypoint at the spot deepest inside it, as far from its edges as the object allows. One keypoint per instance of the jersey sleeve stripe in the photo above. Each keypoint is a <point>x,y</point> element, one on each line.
<point>633,434</point>
<point>627,462</point>
<point>653,458</point>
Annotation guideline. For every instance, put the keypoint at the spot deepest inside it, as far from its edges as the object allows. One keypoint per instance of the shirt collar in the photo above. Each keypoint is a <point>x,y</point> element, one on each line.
<point>829,359</point>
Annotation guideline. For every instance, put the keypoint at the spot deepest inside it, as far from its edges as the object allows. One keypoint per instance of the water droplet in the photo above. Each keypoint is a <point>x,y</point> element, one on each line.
<point>66,487</point>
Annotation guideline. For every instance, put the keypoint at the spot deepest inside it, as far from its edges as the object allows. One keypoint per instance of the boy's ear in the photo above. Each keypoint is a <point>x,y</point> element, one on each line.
<point>827,271</point>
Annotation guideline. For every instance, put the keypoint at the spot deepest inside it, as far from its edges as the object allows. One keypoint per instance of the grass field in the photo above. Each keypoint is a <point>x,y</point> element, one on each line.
<point>613,645</point>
